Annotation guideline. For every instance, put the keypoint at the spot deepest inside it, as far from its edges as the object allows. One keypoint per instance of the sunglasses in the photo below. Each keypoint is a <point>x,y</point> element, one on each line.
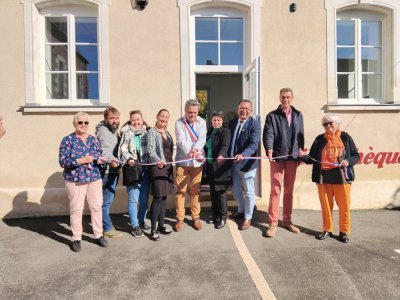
<point>81,123</point>
<point>327,123</point>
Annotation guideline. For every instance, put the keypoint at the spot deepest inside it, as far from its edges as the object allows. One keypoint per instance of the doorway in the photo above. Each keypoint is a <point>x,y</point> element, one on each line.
<point>223,92</point>
<point>218,92</point>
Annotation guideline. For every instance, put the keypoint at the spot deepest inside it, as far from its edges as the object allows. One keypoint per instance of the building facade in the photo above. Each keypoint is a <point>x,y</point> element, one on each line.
<point>59,57</point>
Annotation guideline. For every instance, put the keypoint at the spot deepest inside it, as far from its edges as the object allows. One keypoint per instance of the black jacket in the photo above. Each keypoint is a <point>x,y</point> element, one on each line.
<point>350,153</point>
<point>219,173</point>
<point>275,134</point>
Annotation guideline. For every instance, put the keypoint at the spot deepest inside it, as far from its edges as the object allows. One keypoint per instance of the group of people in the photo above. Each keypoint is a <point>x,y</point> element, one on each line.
<point>228,157</point>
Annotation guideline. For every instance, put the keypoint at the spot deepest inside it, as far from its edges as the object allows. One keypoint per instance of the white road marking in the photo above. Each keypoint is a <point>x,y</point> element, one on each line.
<point>255,273</point>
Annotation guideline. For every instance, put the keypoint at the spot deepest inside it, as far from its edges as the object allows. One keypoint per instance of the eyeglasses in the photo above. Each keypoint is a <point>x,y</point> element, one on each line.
<point>327,123</point>
<point>82,122</point>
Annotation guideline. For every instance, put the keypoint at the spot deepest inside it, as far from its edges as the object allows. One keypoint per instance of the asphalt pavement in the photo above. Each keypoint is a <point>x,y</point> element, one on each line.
<point>37,263</point>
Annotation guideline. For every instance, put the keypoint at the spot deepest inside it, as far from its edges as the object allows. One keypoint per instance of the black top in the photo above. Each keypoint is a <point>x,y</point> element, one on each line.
<point>219,173</point>
<point>336,175</point>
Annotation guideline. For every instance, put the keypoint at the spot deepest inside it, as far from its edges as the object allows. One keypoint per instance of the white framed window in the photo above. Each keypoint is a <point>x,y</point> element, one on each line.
<point>363,51</point>
<point>219,41</point>
<point>66,55</point>
<point>240,13</point>
<point>359,58</point>
<point>71,59</point>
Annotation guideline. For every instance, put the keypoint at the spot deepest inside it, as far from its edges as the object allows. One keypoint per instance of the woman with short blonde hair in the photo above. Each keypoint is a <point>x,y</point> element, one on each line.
<point>79,155</point>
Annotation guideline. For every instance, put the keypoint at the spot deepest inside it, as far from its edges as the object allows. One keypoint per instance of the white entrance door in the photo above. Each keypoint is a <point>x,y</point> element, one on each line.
<point>252,91</point>
<point>251,85</point>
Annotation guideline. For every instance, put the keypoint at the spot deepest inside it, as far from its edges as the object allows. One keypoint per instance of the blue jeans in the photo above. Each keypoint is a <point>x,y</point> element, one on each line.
<point>138,193</point>
<point>110,181</point>
<point>244,191</point>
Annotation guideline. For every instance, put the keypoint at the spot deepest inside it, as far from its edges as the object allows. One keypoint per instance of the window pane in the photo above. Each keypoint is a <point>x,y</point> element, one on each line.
<point>346,86</point>
<point>231,29</point>
<point>56,30</point>
<point>232,54</point>
<point>86,58</point>
<point>345,33</point>
<point>371,60</point>
<point>56,58</point>
<point>57,86</point>
<point>371,33</point>
<point>345,59</point>
<point>86,30</point>
<point>371,86</point>
<point>206,54</point>
<point>87,86</point>
<point>207,29</point>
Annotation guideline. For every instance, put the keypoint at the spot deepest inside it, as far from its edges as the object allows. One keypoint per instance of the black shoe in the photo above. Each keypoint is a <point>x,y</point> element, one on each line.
<point>323,235</point>
<point>144,226</point>
<point>220,224</point>
<point>76,246</point>
<point>102,242</point>
<point>164,230</point>
<point>137,232</point>
<point>343,237</point>
<point>154,236</point>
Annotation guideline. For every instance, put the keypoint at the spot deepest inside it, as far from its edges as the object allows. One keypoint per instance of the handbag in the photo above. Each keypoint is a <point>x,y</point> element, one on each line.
<point>131,175</point>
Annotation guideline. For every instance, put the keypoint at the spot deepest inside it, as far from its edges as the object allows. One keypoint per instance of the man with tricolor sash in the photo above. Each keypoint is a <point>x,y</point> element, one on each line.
<point>190,132</point>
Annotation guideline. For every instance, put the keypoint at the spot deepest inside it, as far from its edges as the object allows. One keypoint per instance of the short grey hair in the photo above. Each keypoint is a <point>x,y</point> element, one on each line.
<point>331,118</point>
<point>192,102</point>
<point>77,115</point>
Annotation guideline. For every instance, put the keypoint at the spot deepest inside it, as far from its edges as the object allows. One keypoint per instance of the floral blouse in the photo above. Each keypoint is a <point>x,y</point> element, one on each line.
<point>72,148</point>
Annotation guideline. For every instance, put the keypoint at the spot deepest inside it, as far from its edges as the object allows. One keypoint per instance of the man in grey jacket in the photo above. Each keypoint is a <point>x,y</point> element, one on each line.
<point>107,134</point>
<point>190,131</point>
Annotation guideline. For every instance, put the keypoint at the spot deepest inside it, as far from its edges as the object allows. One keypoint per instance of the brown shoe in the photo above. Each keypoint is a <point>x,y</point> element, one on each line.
<point>178,225</point>
<point>197,224</point>
<point>245,224</point>
<point>289,226</point>
<point>271,231</point>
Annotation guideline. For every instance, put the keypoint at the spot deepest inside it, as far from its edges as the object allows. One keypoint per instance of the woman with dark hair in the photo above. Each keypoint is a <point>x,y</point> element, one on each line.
<point>160,149</point>
<point>218,168</point>
<point>133,150</point>
<point>333,155</point>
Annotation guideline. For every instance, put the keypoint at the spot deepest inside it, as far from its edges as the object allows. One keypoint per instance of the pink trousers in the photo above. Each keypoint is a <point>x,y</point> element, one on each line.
<point>77,192</point>
<point>281,171</point>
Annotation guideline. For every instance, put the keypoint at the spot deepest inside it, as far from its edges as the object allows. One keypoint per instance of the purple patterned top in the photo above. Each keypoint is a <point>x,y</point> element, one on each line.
<point>72,148</point>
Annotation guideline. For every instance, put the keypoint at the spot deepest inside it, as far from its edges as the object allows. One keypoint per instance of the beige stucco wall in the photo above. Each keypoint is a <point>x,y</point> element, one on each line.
<point>294,55</point>
<point>145,74</point>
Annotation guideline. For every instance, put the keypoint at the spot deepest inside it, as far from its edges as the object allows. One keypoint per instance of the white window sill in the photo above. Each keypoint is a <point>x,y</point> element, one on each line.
<point>62,108</point>
<point>362,107</point>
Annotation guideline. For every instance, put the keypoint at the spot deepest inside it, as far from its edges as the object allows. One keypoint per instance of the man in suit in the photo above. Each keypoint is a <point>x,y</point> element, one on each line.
<point>246,137</point>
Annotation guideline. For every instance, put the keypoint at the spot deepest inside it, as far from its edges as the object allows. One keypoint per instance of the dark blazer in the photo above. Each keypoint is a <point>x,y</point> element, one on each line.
<point>275,134</point>
<point>247,142</point>
<point>350,154</point>
<point>219,173</point>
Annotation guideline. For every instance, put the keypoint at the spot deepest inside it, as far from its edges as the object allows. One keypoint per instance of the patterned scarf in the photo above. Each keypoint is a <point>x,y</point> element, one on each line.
<point>332,150</point>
